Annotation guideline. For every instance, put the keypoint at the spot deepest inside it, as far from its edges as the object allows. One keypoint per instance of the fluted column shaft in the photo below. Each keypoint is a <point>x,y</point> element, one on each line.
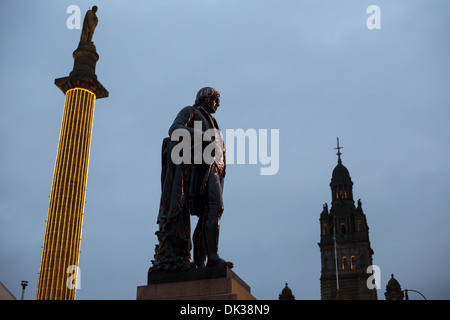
<point>62,238</point>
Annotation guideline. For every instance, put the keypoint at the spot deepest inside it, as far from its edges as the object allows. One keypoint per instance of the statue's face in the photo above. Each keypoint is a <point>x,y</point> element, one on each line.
<point>215,103</point>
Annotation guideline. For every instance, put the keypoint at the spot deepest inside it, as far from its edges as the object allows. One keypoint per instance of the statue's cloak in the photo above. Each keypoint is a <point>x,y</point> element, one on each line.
<point>174,235</point>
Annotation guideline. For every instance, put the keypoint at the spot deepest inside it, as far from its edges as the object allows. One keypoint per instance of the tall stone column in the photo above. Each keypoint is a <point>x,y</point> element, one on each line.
<point>62,240</point>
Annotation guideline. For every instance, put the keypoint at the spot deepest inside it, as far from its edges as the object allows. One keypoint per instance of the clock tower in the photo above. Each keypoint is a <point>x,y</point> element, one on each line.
<point>344,242</point>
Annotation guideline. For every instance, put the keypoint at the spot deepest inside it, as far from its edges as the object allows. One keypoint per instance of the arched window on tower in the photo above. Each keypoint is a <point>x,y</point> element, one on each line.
<point>359,226</point>
<point>342,228</point>
<point>344,263</point>
<point>352,263</point>
<point>324,229</point>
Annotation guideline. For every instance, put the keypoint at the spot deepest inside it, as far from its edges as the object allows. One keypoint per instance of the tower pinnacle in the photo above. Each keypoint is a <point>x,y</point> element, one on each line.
<point>339,150</point>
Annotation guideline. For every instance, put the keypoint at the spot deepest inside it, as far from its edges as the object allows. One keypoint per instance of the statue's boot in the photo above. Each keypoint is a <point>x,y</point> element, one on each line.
<point>211,236</point>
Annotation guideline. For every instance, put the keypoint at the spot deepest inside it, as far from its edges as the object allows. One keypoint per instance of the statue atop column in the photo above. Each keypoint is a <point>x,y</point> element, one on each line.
<point>89,24</point>
<point>85,55</point>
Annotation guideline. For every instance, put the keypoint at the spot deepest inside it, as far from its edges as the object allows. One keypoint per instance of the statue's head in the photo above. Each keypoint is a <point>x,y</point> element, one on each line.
<point>209,98</point>
<point>94,8</point>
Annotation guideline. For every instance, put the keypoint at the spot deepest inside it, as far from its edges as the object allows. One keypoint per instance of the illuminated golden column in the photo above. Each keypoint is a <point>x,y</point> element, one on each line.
<point>62,239</point>
<point>65,214</point>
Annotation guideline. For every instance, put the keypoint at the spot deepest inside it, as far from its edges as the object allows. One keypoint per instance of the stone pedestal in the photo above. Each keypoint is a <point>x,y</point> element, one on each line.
<point>216,283</point>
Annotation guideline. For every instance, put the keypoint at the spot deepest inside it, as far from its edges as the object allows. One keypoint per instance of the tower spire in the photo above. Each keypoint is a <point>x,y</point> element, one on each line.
<point>339,150</point>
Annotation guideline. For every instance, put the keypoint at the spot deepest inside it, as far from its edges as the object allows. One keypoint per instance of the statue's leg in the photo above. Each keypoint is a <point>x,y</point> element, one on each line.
<point>199,252</point>
<point>212,220</point>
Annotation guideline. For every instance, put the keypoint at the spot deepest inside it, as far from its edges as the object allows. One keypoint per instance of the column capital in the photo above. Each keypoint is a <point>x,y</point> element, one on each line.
<point>83,73</point>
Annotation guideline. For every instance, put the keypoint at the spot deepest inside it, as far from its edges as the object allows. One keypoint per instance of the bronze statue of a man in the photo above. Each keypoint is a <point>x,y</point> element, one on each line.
<point>192,187</point>
<point>89,24</point>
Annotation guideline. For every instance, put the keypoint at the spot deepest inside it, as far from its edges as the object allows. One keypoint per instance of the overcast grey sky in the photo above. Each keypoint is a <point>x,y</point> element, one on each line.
<point>311,69</point>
